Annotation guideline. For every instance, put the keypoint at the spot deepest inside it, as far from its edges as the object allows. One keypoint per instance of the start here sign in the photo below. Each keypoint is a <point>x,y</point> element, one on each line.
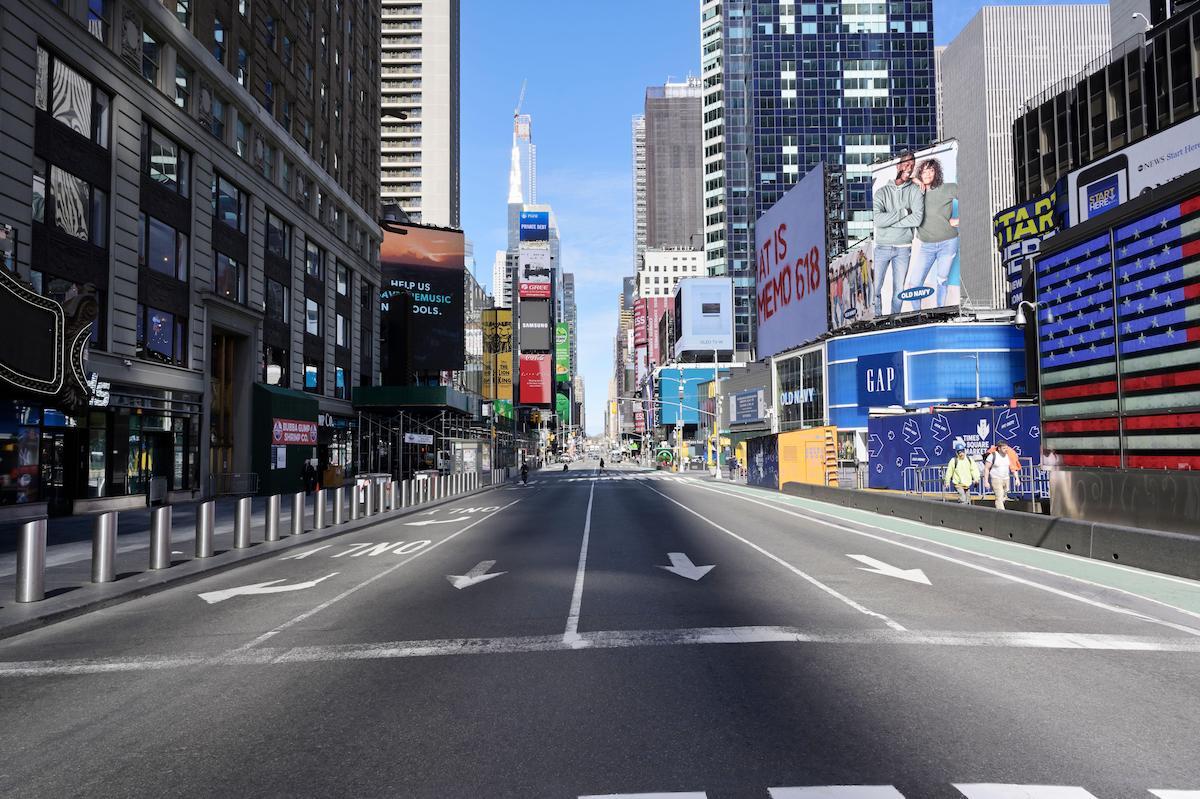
<point>293,431</point>
<point>790,288</point>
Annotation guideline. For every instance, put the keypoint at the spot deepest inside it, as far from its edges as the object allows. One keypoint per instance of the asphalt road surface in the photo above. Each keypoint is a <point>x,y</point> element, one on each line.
<point>623,634</point>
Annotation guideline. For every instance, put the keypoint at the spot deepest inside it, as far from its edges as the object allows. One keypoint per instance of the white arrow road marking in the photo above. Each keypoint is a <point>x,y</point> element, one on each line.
<point>269,587</point>
<point>682,565</point>
<point>888,570</point>
<point>306,553</point>
<point>837,792</point>
<point>994,791</point>
<point>476,575</point>
<point>427,522</point>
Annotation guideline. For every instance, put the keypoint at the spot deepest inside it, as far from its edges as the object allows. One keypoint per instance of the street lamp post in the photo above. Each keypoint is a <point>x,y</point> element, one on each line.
<point>716,420</point>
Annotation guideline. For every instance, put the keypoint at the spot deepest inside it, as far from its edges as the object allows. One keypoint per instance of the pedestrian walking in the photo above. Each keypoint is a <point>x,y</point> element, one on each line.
<point>732,467</point>
<point>998,467</point>
<point>309,476</point>
<point>962,473</point>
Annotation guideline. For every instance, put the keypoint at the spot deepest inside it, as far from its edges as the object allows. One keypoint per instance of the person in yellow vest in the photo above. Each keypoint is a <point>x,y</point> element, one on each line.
<point>962,473</point>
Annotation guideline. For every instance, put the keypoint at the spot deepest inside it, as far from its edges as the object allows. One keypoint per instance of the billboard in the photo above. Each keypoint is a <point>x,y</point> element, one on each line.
<point>534,325</point>
<point>497,354</point>
<point>915,260</point>
<point>425,329</point>
<point>895,443</point>
<point>747,406</point>
<point>1134,170</point>
<point>640,333</point>
<point>562,406</point>
<point>789,242</point>
<point>679,393</point>
<point>537,384</point>
<point>850,281</point>
<point>1019,232</point>
<point>562,352</point>
<point>535,226</point>
<point>704,314</point>
<point>535,273</point>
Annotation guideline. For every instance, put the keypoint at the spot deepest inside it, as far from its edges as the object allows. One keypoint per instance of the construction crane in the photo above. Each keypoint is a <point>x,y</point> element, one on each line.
<point>520,100</point>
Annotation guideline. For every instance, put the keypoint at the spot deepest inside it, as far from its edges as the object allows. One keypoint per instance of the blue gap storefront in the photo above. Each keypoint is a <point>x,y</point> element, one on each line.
<point>916,367</point>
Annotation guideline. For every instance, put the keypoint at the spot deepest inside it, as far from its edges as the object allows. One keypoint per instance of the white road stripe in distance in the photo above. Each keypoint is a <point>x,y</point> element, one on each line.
<point>571,635</point>
<point>1011,577</point>
<point>802,575</point>
<point>1176,794</point>
<point>837,792</point>
<point>684,795</point>
<point>1144,573</point>
<point>610,639</point>
<point>994,791</point>
<point>313,611</point>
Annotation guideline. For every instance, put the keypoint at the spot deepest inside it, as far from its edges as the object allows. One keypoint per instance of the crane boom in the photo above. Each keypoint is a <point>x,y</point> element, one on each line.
<point>520,99</point>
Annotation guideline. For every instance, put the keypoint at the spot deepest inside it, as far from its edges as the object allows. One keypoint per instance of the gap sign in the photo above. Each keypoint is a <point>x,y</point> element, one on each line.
<point>880,380</point>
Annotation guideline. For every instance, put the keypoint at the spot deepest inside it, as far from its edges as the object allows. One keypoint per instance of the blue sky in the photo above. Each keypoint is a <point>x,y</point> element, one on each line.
<point>587,64</point>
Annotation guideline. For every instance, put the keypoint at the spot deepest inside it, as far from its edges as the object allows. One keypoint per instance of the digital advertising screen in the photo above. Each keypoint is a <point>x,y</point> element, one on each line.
<point>422,298</point>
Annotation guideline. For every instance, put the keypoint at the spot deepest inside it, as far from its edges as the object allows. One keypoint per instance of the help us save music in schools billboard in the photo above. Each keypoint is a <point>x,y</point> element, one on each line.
<point>790,285</point>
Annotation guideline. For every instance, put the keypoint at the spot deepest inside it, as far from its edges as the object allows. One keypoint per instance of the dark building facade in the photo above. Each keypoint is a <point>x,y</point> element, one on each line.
<point>211,168</point>
<point>673,150</point>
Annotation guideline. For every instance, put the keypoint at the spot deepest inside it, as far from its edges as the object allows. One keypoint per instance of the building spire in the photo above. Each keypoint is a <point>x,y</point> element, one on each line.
<point>514,171</point>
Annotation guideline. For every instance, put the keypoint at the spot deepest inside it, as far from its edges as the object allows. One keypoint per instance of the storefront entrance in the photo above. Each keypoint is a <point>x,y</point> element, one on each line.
<point>60,467</point>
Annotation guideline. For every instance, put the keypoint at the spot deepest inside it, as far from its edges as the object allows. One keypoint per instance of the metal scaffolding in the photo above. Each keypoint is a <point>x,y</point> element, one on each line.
<point>403,442</point>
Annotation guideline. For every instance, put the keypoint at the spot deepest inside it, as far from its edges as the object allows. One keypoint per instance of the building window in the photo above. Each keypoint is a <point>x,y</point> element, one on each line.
<point>218,48</point>
<point>229,278</point>
<point>218,118</point>
<point>269,33</point>
<point>314,260</point>
<point>275,366</point>
<point>183,86</point>
<point>166,162</point>
<point>243,7</point>
<point>151,53</point>
<point>339,382</point>
<point>229,203</point>
<point>71,99</point>
<point>161,336</point>
<point>343,331</point>
<point>343,279</point>
<point>312,317</point>
<point>279,237</point>
<point>99,18</point>
<point>243,67</point>
<point>279,307</point>
<point>312,376</point>
<point>286,54</point>
<point>240,142</point>
<point>162,249</point>
<point>269,97</point>
<point>183,11</point>
<point>71,204</point>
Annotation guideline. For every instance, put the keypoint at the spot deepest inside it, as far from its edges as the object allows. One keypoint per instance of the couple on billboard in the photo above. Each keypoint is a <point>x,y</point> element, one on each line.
<point>916,234</point>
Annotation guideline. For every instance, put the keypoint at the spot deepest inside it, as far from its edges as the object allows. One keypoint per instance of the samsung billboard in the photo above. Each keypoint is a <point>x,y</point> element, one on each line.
<point>534,325</point>
<point>703,315</point>
<point>422,300</point>
<point>790,278</point>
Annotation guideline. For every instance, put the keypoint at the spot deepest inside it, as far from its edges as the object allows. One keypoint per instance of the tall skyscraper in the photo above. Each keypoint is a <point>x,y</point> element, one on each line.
<point>420,79</point>
<point>527,153</point>
<point>501,285</point>
<point>1004,56</point>
<point>639,189</point>
<point>844,88</point>
<point>673,154</point>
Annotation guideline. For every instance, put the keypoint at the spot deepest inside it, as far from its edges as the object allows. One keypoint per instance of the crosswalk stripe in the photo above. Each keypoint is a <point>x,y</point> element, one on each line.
<point>686,795</point>
<point>997,791</point>
<point>837,792</point>
<point>1161,794</point>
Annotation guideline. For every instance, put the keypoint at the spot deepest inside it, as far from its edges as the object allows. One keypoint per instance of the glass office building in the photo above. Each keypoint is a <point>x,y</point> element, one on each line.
<point>790,85</point>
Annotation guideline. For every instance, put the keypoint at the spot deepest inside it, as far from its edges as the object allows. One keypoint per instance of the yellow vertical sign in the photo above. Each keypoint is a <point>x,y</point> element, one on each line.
<point>489,353</point>
<point>504,354</point>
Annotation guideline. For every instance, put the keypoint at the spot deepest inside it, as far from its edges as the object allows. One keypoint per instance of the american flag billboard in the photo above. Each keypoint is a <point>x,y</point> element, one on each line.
<point>1119,344</point>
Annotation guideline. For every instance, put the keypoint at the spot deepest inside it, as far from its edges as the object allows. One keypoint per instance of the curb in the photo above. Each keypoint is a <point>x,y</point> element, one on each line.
<point>89,597</point>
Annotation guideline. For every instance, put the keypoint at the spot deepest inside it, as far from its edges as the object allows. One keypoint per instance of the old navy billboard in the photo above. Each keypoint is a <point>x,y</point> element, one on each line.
<point>790,282</point>
<point>895,443</point>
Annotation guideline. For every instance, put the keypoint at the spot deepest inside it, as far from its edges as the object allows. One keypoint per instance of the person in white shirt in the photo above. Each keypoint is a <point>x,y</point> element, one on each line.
<point>998,466</point>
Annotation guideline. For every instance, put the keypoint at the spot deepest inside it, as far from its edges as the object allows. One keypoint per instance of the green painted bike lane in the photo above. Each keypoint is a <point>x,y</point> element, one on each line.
<point>1176,592</point>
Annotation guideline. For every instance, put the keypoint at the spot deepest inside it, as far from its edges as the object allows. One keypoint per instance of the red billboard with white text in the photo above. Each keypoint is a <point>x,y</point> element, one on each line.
<point>537,378</point>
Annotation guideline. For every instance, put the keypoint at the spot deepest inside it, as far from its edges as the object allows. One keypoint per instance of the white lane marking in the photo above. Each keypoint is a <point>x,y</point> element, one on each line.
<point>802,575</point>
<point>571,634</point>
<point>995,791</point>
<point>354,589</point>
<point>1011,577</point>
<point>611,639</point>
<point>888,570</point>
<point>684,795</point>
<point>682,565</point>
<point>306,553</point>
<point>269,587</point>
<point>476,575</point>
<point>837,792</point>
<point>1023,547</point>
<point>1161,794</point>
<point>427,522</point>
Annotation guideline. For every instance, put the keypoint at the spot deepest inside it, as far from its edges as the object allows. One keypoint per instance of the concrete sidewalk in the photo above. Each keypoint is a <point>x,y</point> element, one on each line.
<point>70,592</point>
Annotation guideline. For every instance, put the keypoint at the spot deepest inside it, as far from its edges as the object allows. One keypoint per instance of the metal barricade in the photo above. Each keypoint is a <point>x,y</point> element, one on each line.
<point>233,484</point>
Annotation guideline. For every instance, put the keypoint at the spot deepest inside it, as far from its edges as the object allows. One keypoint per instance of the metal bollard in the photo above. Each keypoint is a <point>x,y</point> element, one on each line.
<point>272,533</point>
<point>439,487</point>
<point>319,510</point>
<point>355,505</point>
<point>241,523</point>
<point>368,500</point>
<point>298,513</point>
<point>160,538</point>
<point>104,548</point>
<point>31,562</point>
<point>406,493</point>
<point>393,495</point>
<point>339,505</point>
<point>380,497</point>
<point>204,528</point>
